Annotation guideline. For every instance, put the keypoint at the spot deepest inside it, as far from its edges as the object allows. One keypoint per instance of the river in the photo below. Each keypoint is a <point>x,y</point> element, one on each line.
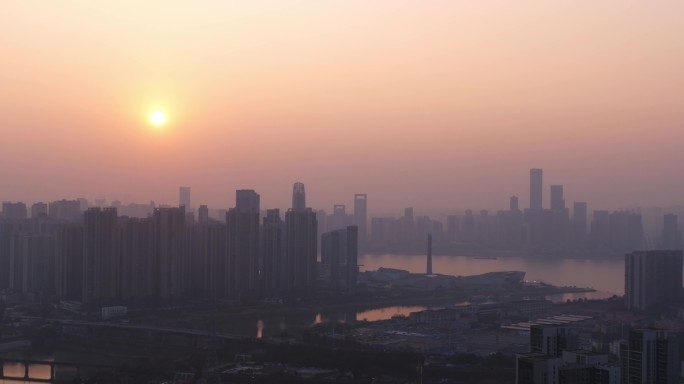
<point>606,276</point>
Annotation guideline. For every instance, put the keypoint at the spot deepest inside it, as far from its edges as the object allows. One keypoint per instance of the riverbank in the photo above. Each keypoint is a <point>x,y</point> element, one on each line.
<point>269,320</point>
<point>603,275</point>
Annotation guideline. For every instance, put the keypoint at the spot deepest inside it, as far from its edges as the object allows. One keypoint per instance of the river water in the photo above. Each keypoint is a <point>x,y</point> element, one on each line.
<point>606,276</point>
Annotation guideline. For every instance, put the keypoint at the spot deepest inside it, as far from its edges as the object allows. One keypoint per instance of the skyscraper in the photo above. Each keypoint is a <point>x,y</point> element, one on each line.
<point>352,257</point>
<point>32,263</point>
<point>7,233</point>
<point>101,256</point>
<point>512,225</point>
<point>339,218</point>
<point>208,256</point>
<point>298,197</point>
<point>534,217</point>
<point>556,221</point>
<point>557,201</point>
<point>203,214</point>
<point>652,278</point>
<point>69,261</point>
<point>184,198</point>
<point>536,189</point>
<point>138,267</point>
<point>243,244</point>
<point>301,245</point>
<point>333,255</point>
<point>273,250</point>
<point>339,257</point>
<point>513,204</point>
<point>247,200</point>
<point>361,217</point>
<point>170,255</point>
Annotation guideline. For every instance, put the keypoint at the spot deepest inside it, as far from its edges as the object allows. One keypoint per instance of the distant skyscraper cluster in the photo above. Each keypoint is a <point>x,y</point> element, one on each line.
<point>559,229</point>
<point>100,257</point>
<point>143,252</point>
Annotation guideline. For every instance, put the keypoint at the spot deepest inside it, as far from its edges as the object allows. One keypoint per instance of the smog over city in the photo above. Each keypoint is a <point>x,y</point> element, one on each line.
<point>344,192</point>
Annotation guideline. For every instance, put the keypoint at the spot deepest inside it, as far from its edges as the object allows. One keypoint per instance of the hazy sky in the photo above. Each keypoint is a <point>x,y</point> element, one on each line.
<point>434,104</point>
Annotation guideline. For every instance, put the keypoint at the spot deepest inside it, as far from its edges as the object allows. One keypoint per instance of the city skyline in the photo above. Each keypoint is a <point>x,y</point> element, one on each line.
<point>432,105</point>
<point>339,191</point>
<point>540,191</point>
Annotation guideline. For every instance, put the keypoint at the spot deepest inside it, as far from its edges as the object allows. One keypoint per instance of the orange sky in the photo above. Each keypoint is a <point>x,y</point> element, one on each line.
<point>434,104</point>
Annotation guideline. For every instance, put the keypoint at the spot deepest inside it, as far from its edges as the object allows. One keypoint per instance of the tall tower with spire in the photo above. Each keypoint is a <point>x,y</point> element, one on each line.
<point>301,229</point>
<point>298,197</point>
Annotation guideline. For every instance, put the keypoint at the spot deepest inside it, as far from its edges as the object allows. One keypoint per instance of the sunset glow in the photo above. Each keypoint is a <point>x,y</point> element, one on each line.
<point>462,96</point>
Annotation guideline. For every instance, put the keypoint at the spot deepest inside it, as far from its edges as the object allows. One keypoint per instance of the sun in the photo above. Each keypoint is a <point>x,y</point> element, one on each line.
<point>158,118</point>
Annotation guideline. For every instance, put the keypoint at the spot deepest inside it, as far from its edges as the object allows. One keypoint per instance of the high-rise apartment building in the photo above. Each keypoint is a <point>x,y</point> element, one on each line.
<point>511,223</point>
<point>536,189</point>
<point>339,218</point>
<point>513,204</point>
<point>101,256</point>
<point>184,197</point>
<point>247,200</point>
<point>361,217</point>
<point>273,250</point>
<point>301,243</point>
<point>39,210</point>
<point>556,220</point>
<point>31,263</point>
<point>339,257</point>
<point>534,216</point>
<point>352,267</point>
<point>65,210</point>
<point>15,212</point>
<point>652,278</point>
<point>69,261</point>
<point>138,267</point>
<point>298,197</point>
<point>203,214</point>
<point>7,232</point>
<point>169,252</point>
<point>242,224</point>
<point>208,268</point>
<point>651,356</point>
<point>557,201</point>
